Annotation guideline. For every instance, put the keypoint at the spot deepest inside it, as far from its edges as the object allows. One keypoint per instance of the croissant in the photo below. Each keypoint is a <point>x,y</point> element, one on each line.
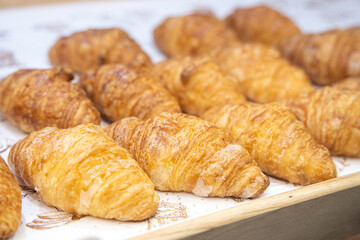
<point>10,202</point>
<point>261,24</point>
<point>181,152</point>
<point>355,34</point>
<point>45,98</point>
<point>260,72</point>
<point>192,34</point>
<point>332,116</point>
<point>81,170</point>
<point>279,143</point>
<point>197,83</point>
<point>326,57</point>
<point>120,92</point>
<point>348,84</point>
<point>83,51</point>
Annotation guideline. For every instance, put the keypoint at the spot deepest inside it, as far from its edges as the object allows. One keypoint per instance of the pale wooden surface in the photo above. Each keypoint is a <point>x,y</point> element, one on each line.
<point>329,217</point>
<point>340,206</point>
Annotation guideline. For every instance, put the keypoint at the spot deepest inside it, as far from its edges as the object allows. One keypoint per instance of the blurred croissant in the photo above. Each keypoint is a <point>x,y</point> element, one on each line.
<point>181,152</point>
<point>10,202</point>
<point>33,99</point>
<point>197,83</point>
<point>120,92</point>
<point>326,57</point>
<point>81,170</point>
<point>261,24</point>
<point>280,144</point>
<point>261,73</point>
<point>348,84</point>
<point>192,34</point>
<point>332,116</point>
<point>83,51</point>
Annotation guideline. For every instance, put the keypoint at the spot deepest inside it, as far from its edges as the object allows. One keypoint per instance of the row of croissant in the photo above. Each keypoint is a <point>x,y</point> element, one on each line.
<point>111,172</point>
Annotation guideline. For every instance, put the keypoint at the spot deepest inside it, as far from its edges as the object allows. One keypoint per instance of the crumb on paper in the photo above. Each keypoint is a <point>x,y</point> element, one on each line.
<point>167,213</point>
<point>52,219</point>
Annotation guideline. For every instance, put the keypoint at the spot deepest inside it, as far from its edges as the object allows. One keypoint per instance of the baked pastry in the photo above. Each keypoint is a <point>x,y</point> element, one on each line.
<point>261,24</point>
<point>192,34</point>
<point>81,170</point>
<point>45,98</point>
<point>355,33</point>
<point>327,57</point>
<point>83,51</point>
<point>332,116</point>
<point>261,73</point>
<point>10,202</point>
<point>197,83</point>
<point>181,152</point>
<point>279,143</point>
<point>348,84</point>
<point>120,92</point>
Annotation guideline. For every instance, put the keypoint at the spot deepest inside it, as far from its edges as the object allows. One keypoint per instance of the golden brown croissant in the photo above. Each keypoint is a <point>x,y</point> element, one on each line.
<point>197,83</point>
<point>192,34</point>
<point>326,57</point>
<point>260,72</point>
<point>181,152</point>
<point>280,144</point>
<point>348,84</point>
<point>81,170</point>
<point>355,33</point>
<point>120,92</point>
<point>34,99</point>
<point>261,24</point>
<point>83,51</point>
<point>332,116</point>
<point>10,202</point>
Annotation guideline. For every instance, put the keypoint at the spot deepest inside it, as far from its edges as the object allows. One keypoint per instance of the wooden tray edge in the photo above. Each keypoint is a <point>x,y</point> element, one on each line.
<point>251,209</point>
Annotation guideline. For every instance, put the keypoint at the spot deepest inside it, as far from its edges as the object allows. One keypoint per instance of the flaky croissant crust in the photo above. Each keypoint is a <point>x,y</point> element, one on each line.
<point>10,202</point>
<point>181,152</point>
<point>327,57</point>
<point>280,143</point>
<point>261,24</point>
<point>331,115</point>
<point>45,98</point>
<point>192,34</point>
<point>83,51</point>
<point>198,83</point>
<point>119,92</point>
<point>81,170</point>
<point>262,75</point>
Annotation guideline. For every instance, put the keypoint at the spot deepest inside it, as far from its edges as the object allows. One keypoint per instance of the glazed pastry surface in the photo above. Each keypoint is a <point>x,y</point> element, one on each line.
<point>197,83</point>
<point>280,144</point>
<point>87,50</point>
<point>10,202</point>
<point>327,57</point>
<point>36,98</point>
<point>261,24</point>
<point>181,152</point>
<point>332,116</point>
<point>120,92</point>
<point>81,170</point>
<point>261,73</point>
<point>192,34</point>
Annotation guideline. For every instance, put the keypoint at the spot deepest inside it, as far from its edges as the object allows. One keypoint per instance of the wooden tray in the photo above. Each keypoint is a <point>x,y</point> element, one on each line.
<point>328,210</point>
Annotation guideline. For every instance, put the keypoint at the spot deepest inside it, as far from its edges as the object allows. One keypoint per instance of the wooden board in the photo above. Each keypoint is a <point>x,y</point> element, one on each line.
<point>327,210</point>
